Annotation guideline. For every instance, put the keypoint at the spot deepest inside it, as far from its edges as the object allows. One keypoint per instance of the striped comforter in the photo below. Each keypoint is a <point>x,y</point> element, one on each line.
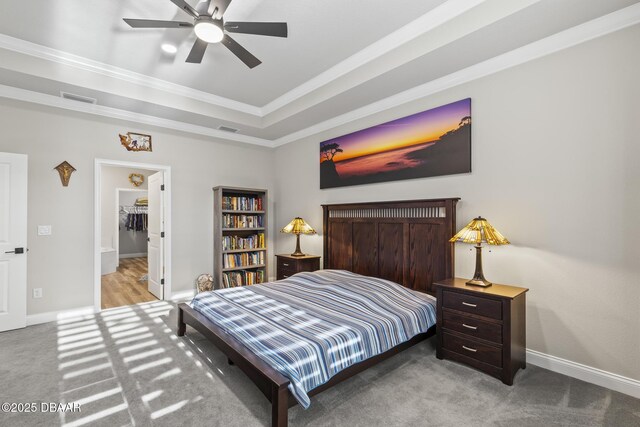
<point>311,326</point>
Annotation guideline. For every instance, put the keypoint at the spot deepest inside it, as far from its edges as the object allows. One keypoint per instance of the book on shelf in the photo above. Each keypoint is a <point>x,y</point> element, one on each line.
<point>246,259</point>
<point>241,221</point>
<point>242,278</point>
<point>239,203</point>
<point>231,243</point>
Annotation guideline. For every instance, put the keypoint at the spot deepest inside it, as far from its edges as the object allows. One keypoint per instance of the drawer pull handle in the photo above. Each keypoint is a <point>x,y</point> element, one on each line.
<point>285,264</point>
<point>468,304</point>
<point>469,348</point>
<point>469,327</point>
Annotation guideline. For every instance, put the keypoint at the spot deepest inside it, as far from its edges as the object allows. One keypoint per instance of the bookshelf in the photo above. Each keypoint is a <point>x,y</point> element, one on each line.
<point>239,236</point>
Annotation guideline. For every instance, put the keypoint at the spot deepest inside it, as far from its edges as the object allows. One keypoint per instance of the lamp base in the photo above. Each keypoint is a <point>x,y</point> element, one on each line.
<point>481,282</point>
<point>297,252</point>
<point>478,276</point>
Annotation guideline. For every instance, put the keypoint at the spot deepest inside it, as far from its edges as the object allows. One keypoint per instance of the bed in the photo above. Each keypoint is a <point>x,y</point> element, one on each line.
<point>297,337</point>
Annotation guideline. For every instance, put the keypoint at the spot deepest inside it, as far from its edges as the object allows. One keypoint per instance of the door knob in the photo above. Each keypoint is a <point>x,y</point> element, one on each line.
<point>15,251</point>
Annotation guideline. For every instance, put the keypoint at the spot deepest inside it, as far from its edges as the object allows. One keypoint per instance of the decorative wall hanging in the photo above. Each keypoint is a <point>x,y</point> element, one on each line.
<point>65,170</point>
<point>136,179</point>
<point>431,143</point>
<point>136,141</point>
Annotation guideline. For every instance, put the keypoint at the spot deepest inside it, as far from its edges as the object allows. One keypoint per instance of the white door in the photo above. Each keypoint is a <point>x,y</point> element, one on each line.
<point>155,234</point>
<point>13,241</point>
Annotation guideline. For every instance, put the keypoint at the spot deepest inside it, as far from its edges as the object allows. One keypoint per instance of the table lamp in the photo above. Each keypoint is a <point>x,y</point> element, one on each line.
<point>478,231</point>
<point>297,226</point>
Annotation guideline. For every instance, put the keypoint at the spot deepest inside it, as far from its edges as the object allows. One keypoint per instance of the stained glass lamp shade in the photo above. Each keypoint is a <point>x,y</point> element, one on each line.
<point>298,226</point>
<point>479,231</point>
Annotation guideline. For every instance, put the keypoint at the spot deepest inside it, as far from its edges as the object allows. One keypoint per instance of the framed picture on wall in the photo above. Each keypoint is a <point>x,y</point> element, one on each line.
<point>136,141</point>
<point>431,143</point>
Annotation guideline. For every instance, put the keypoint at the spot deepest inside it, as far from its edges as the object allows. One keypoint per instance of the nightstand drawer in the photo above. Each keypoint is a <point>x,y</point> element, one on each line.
<point>288,265</point>
<point>472,327</point>
<point>472,304</point>
<point>289,271</point>
<point>473,349</point>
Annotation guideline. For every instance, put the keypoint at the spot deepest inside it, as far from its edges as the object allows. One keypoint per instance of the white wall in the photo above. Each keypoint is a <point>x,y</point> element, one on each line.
<point>62,264</point>
<point>555,169</point>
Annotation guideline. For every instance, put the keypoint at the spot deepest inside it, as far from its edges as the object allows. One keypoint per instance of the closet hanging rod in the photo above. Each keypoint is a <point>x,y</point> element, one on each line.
<point>134,209</point>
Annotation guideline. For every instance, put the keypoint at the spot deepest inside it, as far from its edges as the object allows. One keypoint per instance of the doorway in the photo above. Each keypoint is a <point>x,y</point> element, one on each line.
<point>132,233</point>
<point>125,266</point>
<point>13,241</point>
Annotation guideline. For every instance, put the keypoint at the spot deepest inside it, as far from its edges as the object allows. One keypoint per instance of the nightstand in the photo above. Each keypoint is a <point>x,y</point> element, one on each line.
<point>482,327</point>
<point>288,265</point>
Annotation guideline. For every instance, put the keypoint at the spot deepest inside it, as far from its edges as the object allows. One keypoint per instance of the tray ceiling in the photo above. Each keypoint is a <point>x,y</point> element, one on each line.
<point>341,61</point>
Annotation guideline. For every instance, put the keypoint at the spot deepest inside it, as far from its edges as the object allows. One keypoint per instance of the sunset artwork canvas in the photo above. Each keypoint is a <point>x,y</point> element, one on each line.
<point>431,143</point>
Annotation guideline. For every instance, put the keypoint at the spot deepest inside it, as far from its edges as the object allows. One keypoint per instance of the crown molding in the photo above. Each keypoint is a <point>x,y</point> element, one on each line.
<point>595,28</point>
<point>79,62</point>
<point>427,22</point>
<point>115,113</point>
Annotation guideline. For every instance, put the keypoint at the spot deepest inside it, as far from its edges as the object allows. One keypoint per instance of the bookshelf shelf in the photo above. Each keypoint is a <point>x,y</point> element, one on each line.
<point>240,219</point>
<point>239,251</point>
<point>244,267</point>
<point>231,211</point>
<point>244,229</point>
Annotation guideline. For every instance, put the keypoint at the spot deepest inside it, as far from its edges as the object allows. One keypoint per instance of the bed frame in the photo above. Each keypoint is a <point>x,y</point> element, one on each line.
<point>403,241</point>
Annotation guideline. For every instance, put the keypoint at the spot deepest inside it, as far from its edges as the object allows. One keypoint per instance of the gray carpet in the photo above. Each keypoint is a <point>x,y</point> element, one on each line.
<point>126,367</point>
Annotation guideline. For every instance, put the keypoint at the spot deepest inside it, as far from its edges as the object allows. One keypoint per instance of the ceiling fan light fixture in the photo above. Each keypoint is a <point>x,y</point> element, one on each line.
<point>209,30</point>
<point>169,48</point>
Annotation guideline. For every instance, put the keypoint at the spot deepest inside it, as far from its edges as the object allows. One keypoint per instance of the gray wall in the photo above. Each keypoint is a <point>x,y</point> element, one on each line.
<point>555,169</point>
<point>62,264</point>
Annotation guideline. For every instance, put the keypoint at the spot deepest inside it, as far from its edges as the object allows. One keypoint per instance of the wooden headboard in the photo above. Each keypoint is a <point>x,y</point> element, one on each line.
<point>403,241</point>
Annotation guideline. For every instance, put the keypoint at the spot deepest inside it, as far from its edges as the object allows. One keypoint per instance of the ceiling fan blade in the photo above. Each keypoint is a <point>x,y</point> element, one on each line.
<point>186,7</point>
<point>274,29</point>
<point>197,52</point>
<point>221,5</point>
<point>211,8</point>
<point>151,23</point>
<point>242,53</point>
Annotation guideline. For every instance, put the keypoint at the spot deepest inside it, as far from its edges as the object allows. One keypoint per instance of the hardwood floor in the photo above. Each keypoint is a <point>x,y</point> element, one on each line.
<point>124,286</point>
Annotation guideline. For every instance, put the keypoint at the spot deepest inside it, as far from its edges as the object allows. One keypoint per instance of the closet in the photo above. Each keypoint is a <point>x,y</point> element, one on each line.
<point>132,224</point>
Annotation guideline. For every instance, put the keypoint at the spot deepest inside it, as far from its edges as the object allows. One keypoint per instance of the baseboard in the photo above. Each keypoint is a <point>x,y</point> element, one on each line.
<point>182,295</point>
<point>585,373</point>
<point>52,316</point>
<point>138,255</point>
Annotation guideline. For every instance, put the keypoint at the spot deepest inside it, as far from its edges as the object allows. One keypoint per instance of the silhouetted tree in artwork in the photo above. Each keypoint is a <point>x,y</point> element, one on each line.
<point>329,176</point>
<point>465,121</point>
<point>329,151</point>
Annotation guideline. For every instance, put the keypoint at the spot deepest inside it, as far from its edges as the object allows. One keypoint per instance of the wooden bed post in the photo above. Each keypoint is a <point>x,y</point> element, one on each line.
<point>182,327</point>
<point>279,405</point>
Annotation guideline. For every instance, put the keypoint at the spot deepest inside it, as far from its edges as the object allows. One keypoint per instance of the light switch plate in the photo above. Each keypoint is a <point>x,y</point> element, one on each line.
<point>44,230</point>
<point>37,293</point>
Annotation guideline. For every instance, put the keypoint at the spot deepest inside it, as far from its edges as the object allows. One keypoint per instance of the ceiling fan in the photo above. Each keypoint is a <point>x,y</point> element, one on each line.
<point>210,27</point>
